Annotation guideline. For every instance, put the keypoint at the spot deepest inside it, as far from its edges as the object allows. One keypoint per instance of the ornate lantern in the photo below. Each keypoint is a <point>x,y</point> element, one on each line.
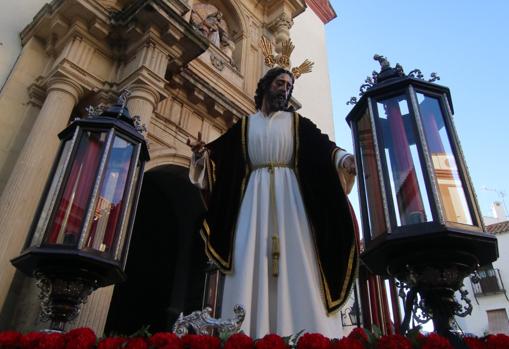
<point>420,217</point>
<point>80,234</point>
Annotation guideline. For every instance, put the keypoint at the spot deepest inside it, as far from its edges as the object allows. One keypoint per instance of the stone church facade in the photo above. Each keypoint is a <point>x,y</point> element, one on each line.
<point>191,66</point>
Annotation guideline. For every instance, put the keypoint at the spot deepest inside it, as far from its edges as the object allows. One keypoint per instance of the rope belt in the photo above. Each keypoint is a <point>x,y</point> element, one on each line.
<point>272,193</point>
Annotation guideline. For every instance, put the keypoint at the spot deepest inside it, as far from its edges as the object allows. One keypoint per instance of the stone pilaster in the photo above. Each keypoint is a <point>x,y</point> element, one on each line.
<point>94,313</point>
<point>28,177</point>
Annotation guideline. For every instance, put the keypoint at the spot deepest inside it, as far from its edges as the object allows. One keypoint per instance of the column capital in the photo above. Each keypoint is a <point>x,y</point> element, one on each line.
<point>144,92</point>
<point>66,85</point>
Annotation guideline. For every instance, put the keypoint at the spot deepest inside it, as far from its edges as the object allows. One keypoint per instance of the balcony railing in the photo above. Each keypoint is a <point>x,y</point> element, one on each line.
<point>487,282</point>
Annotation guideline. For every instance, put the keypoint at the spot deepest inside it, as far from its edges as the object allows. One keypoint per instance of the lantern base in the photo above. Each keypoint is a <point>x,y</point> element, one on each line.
<point>435,281</point>
<point>61,297</point>
<point>71,263</point>
<point>462,246</point>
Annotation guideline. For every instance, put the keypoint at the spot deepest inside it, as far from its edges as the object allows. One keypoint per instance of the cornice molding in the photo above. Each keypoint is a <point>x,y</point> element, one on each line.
<point>323,9</point>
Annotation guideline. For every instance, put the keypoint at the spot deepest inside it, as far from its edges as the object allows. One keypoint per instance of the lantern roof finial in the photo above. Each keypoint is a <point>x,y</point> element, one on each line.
<point>122,100</point>
<point>118,110</point>
<point>384,63</point>
<point>388,73</point>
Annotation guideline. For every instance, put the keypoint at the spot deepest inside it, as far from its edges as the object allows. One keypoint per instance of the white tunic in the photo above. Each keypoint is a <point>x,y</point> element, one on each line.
<point>292,301</point>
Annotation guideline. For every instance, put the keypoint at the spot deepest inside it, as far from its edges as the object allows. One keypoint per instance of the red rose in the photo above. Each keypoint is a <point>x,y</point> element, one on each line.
<point>498,341</point>
<point>395,341</point>
<point>435,341</point>
<point>313,341</point>
<point>111,343</point>
<point>31,340</point>
<point>136,343</point>
<point>359,334</point>
<point>193,341</point>
<point>271,341</point>
<point>474,343</point>
<point>346,343</point>
<point>80,338</point>
<point>239,341</point>
<point>52,341</point>
<point>9,339</point>
<point>166,340</point>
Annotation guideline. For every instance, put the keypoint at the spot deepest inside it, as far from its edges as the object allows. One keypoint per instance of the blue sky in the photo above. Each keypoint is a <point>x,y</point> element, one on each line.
<point>465,42</point>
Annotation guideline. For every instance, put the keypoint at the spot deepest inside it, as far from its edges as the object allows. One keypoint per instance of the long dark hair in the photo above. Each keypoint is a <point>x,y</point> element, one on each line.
<point>264,85</point>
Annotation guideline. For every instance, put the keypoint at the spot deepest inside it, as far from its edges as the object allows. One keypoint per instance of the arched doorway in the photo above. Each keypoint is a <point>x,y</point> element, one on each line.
<point>166,260</point>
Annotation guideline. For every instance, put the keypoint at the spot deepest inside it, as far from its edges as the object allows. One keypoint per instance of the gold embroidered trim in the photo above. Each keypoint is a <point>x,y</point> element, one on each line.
<point>323,283</point>
<point>211,252</point>
<point>348,274</point>
<point>206,227</point>
<point>245,125</point>
<point>211,173</point>
<point>271,166</point>
<point>296,139</point>
<point>243,139</point>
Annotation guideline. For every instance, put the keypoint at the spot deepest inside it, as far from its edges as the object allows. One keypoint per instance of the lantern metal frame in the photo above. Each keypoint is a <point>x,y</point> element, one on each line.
<point>433,256</point>
<point>408,87</point>
<point>67,273</point>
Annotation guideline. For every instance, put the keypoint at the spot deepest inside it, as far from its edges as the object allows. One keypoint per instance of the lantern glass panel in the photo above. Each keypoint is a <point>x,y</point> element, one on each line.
<point>122,246</point>
<point>446,172</point>
<point>408,190</point>
<point>110,202</point>
<point>373,196</point>
<point>51,197</point>
<point>67,219</point>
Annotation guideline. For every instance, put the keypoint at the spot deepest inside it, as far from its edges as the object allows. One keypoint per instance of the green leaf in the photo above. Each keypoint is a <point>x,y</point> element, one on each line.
<point>297,336</point>
<point>413,336</point>
<point>223,336</point>
<point>142,332</point>
<point>377,332</point>
<point>371,338</point>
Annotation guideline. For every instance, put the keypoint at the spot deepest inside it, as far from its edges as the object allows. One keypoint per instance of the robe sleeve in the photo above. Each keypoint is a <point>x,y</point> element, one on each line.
<point>226,172</point>
<point>328,210</point>
<point>199,170</point>
<point>347,180</point>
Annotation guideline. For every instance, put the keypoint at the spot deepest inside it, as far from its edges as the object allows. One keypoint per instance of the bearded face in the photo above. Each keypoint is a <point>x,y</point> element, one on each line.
<point>280,90</point>
<point>277,100</point>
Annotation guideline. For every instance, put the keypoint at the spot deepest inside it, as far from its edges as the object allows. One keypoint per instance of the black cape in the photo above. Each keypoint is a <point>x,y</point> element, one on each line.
<point>328,209</point>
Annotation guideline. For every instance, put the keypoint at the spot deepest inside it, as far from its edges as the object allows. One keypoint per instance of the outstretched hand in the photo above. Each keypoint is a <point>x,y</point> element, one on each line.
<point>197,146</point>
<point>349,165</point>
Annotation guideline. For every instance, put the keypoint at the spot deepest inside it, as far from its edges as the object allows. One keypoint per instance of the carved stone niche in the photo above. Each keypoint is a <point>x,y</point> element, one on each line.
<point>221,25</point>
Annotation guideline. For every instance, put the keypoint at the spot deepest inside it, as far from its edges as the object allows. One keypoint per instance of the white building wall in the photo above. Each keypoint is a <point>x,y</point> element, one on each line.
<point>15,15</point>
<point>477,323</point>
<point>313,90</point>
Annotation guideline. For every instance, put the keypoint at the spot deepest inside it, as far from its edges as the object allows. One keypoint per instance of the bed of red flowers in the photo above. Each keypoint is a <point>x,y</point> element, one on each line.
<point>85,338</point>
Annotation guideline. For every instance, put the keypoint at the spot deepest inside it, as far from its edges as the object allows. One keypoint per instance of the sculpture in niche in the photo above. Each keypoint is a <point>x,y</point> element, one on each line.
<point>208,20</point>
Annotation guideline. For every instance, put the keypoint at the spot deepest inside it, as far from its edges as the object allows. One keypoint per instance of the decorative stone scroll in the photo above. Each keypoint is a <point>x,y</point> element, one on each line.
<point>202,323</point>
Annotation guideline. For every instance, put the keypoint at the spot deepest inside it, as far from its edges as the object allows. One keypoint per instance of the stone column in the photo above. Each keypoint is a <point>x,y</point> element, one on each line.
<point>142,101</point>
<point>28,177</point>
